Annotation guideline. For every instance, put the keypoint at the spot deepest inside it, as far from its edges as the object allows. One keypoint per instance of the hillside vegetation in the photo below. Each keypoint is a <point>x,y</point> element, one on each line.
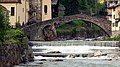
<point>79,28</point>
<point>89,6</point>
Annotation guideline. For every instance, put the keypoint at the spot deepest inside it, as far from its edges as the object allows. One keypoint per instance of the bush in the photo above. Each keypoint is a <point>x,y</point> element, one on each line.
<point>116,38</point>
<point>13,36</point>
<point>70,28</point>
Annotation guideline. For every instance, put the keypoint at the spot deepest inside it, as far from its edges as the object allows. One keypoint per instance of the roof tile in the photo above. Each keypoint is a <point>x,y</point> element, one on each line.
<point>10,1</point>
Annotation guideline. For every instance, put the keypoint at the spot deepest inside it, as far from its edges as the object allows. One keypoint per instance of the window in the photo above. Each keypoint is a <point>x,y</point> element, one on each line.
<point>23,9</point>
<point>113,9</point>
<point>12,11</point>
<point>45,9</point>
<point>113,24</point>
<point>114,16</point>
<point>116,24</point>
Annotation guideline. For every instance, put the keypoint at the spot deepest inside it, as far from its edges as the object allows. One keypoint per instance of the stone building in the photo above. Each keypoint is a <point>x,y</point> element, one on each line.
<point>18,10</point>
<point>113,11</point>
<point>41,9</point>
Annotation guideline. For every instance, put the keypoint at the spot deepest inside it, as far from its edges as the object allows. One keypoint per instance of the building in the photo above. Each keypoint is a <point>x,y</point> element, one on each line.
<point>41,9</point>
<point>23,10</point>
<point>18,10</point>
<point>113,11</point>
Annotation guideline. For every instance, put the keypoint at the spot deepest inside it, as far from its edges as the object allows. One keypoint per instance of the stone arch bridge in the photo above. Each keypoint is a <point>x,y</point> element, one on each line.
<point>45,30</point>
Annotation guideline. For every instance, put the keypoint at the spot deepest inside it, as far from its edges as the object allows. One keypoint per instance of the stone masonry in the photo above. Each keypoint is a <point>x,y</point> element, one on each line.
<point>37,30</point>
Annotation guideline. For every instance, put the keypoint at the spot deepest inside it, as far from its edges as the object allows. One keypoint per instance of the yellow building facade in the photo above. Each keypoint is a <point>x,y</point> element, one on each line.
<point>18,10</point>
<point>46,10</point>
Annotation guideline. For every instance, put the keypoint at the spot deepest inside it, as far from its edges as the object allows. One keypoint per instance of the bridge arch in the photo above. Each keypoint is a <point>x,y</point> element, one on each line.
<point>102,23</point>
<point>57,25</point>
<point>35,30</point>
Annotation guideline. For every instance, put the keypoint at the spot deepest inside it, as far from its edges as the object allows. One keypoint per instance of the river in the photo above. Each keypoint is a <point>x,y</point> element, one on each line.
<point>103,54</point>
<point>83,63</point>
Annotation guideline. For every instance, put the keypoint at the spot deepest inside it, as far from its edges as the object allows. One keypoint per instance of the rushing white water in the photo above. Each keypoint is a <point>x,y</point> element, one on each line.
<point>72,49</point>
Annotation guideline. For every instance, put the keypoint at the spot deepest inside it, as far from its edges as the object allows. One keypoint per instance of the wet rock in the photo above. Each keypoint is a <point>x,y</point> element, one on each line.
<point>54,52</point>
<point>57,60</point>
<point>40,63</point>
<point>11,54</point>
<point>43,60</point>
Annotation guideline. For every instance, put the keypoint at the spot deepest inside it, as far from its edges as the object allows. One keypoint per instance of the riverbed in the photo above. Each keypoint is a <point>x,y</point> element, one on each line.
<point>104,54</point>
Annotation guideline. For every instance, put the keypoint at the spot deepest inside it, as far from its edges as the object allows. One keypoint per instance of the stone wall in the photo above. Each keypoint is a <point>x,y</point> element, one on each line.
<point>40,31</point>
<point>11,54</point>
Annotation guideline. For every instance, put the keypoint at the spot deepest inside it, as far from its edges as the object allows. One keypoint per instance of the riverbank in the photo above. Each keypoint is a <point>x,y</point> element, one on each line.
<point>13,54</point>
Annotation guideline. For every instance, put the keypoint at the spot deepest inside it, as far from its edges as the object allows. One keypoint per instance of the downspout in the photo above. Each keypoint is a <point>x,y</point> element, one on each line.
<point>25,11</point>
<point>41,10</point>
<point>16,12</point>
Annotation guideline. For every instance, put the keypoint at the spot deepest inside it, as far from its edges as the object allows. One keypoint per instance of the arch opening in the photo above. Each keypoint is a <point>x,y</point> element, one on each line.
<point>86,30</point>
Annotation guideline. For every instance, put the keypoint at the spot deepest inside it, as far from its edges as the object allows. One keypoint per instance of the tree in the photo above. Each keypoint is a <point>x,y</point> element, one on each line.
<point>4,23</point>
<point>74,6</point>
<point>71,6</point>
<point>83,4</point>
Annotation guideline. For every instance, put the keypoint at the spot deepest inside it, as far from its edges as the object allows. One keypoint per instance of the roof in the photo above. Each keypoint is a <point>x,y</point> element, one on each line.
<point>5,9</point>
<point>10,1</point>
<point>114,6</point>
<point>54,2</point>
<point>112,0</point>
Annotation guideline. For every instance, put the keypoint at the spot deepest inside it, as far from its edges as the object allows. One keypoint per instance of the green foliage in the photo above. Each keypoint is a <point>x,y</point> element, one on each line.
<point>78,23</point>
<point>71,6</point>
<point>8,35</point>
<point>70,28</point>
<point>78,26</point>
<point>95,28</point>
<point>14,34</point>
<point>74,6</point>
<point>18,25</point>
<point>4,23</point>
<point>101,9</point>
<point>116,38</point>
<point>61,14</point>
<point>83,4</point>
